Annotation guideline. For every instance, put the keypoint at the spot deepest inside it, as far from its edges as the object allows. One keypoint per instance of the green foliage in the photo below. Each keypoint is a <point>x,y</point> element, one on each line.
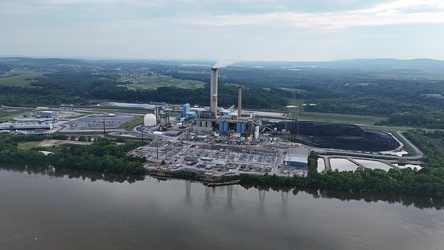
<point>184,175</point>
<point>103,155</point>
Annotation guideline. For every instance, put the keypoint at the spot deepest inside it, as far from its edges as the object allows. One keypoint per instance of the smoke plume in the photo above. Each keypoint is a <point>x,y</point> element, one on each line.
<point>224,63</point>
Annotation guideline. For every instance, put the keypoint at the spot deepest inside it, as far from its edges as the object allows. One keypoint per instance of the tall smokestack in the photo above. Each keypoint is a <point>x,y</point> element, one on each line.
<point>213,91</point>
<point>239,102</point>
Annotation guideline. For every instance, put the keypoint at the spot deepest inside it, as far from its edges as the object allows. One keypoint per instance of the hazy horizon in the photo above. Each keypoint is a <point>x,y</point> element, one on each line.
<point>260,30</point>
<point>208,60</point>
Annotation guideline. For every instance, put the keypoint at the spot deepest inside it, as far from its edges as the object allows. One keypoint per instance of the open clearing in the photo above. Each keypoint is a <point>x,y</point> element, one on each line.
<point>49,143</point>
<point>18,78</point>
<point>156,81</point>
<point>7,114</point>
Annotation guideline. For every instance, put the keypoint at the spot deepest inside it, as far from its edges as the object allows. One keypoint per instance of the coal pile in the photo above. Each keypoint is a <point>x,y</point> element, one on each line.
<point>338,135</point>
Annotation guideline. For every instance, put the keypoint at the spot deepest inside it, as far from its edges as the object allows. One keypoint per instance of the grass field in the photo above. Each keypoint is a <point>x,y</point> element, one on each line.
<point>48,144</point>
<point>7,114</point>
<point>413,76</point>
<point>18,78</point>
<point>156,81</point>
<point>294,90</point>
<point>132,124</point>
<point>123,110</point>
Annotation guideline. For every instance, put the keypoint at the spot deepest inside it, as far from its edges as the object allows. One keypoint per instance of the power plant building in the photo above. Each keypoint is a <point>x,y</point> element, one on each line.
<point>296,161</point>
<point>219,119</point>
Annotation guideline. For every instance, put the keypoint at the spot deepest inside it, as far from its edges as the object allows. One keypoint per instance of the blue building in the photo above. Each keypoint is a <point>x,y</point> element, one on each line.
<point>296,161</point>
<point>186,112</point>
<point>186,109</point>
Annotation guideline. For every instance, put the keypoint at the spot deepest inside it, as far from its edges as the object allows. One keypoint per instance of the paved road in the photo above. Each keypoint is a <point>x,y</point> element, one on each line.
<point>418,155</point>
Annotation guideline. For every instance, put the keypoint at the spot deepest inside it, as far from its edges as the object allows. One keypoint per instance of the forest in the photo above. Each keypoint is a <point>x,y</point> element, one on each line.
<point>102,155</point>
<point>409,95</point>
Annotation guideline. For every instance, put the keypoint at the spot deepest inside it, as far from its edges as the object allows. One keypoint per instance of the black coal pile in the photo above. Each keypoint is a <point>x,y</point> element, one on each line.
<point>338,135</point>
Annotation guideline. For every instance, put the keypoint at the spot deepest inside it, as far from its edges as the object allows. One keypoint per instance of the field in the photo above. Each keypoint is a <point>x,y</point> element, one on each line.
<point>294,90</point>
<point>132,124</point>
<point>156,81</point>
<point>7,114</point>
<point>434,76</point>
<point>48,143</point>
<point>18,78</point>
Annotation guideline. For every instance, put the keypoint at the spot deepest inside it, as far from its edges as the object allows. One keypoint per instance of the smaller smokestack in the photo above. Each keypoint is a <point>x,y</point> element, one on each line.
<point>239,102</point>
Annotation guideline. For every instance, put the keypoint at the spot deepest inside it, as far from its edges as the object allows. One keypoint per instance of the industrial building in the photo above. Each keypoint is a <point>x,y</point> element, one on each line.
<point>46,114</point>
<point>26,126</point>
<point>186,112</point>
<point>219,119</point>
<point>296,161</point>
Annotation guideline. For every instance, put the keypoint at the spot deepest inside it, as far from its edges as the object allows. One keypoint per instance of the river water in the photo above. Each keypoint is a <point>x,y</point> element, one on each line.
<point>41,209</point>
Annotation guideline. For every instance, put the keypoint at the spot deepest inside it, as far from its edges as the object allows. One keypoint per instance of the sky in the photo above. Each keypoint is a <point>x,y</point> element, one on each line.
<point>250,30</point>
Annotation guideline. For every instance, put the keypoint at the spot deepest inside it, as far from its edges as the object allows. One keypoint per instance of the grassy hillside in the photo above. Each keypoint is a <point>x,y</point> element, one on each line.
<point>156,81</point>
<point>19,78</point>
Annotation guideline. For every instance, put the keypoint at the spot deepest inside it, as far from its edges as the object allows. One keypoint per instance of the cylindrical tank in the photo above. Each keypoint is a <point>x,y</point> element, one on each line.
<point>243,127</point>
<point>226,126</point>
<point>238,127</point>
<point>221,126</point>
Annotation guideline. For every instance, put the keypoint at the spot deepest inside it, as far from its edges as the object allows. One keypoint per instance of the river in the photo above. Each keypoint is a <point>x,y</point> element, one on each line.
<point>46,209</point>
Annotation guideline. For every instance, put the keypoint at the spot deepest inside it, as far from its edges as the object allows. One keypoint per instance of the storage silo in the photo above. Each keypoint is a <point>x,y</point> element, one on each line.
<point>149,120</point>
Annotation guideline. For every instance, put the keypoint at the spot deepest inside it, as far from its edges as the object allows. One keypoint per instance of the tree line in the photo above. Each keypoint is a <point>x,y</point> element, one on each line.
<point>102,155</point>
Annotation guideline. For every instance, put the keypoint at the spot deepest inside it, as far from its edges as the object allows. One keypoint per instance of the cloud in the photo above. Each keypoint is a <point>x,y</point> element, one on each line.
<point>398,12</point>
<point>276,29</point>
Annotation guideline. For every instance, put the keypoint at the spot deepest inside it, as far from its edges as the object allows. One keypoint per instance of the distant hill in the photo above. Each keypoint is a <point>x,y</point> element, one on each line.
<point>377,64</point>
<point>42,62</point>
<point>366,64</point>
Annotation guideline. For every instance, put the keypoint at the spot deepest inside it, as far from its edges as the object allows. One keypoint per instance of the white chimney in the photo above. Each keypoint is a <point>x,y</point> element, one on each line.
<point>239,102</point>
<point>213,91</point>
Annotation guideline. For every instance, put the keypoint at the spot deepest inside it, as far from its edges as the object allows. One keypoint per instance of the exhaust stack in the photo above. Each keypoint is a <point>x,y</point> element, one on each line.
<point>239,102</point>
<point>213,91</point>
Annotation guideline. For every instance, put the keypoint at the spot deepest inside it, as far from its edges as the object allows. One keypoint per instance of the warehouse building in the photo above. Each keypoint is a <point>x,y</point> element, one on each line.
<point>26,126</point>
<point>46,114</point>
<point>296,161</point>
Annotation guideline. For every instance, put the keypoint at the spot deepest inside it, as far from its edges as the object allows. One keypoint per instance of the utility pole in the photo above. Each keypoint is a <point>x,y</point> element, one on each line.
<point>142,134</point>
<point>104,126</point>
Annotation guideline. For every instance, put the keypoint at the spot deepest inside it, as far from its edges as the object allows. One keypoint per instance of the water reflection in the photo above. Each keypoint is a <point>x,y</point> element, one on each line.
<point>284,200</point>
<point>417,201</point>
<point>406,200</point>
<point>207,197</point>
<point>229,198</point>
<point>261,201</point>
<point>188,200</point>
<point>73,173</point>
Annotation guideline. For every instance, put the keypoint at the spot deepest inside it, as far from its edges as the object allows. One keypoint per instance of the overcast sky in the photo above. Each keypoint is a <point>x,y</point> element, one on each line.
<point>266,30</point>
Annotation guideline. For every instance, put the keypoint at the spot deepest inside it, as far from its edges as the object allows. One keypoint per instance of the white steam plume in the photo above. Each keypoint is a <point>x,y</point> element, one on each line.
<point>224,63</point>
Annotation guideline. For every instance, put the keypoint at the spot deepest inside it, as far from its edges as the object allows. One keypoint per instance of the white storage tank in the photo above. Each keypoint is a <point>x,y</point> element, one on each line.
<point>149,120</point>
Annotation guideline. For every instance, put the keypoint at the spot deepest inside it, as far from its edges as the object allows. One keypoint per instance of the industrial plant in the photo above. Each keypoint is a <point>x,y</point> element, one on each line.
<point>212,141</point>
